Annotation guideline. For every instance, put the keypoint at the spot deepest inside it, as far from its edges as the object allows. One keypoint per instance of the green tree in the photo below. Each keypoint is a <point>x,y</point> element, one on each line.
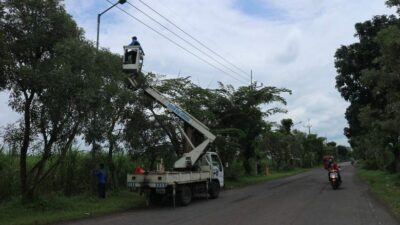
<point>286,126</point>
<point>385,119</point>
<point>31,30</point>
<point>314,146</point>
<point>343,152</point>
<point>394,3</point>
<point>243,111</point>
<point>368,78</point>
<point>104,117</point>
<point>351,61</point>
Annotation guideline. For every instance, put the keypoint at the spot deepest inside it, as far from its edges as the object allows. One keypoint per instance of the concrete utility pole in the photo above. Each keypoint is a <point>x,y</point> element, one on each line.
<point>251,77</point>
<point>308,126</point>
<point>99,17</point>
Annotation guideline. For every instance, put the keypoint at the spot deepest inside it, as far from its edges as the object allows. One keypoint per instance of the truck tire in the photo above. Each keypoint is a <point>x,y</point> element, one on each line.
<point>214,189</point>
<point>185,195</point>
<point>155,199</point>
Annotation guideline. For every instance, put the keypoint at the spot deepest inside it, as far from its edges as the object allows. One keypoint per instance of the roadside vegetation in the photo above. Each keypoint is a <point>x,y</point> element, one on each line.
<point>368,78</point>
<point>385,186</point>
<point>57,207</point>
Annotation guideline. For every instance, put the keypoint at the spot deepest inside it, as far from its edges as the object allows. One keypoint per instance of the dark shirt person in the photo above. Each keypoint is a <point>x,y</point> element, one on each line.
<point>135,42</point>
<point>101,175</point>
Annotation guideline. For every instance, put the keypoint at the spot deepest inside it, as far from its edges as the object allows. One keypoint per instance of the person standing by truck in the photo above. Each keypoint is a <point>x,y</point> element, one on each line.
<point>101,175</point>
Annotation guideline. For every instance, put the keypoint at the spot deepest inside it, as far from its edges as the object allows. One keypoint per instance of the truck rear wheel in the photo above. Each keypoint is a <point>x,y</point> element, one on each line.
<point>185,195</point>
<point>155,199</point>
<point>214,189</point>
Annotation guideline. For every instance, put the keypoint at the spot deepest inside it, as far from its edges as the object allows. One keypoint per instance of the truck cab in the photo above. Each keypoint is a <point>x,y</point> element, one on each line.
<point>210,161</point>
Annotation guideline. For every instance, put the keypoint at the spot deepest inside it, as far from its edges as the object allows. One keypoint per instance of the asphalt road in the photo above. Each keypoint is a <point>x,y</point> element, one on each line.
<point>304,199</point>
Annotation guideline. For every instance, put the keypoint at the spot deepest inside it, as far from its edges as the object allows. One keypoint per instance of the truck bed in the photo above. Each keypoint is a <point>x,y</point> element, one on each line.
<point>164,179</point>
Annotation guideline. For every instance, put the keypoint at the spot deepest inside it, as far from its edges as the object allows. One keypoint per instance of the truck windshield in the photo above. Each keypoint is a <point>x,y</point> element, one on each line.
<point>216,162</point>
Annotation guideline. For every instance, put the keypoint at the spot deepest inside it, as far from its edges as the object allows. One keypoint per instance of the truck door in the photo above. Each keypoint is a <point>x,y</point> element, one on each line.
<point>218,169</point>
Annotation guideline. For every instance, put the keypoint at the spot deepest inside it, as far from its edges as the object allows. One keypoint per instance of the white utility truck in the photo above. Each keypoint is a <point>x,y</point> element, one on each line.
<point>196,172</point>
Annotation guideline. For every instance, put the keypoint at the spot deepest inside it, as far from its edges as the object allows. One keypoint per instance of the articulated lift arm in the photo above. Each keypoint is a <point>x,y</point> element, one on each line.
<point>132,64</point>
<point>188,159</point>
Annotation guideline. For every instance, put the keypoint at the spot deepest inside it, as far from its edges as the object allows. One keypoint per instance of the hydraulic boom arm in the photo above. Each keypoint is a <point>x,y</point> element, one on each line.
<point>188,159</point>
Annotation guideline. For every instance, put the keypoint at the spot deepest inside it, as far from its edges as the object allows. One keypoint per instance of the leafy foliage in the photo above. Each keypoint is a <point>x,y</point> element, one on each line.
<point>369,79</point>
<point>394,3</point>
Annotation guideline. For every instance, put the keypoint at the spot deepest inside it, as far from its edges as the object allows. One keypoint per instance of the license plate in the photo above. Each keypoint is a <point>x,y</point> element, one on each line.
<point>333,175</point>
<point>160,185</point>
<point>133,184</point>
<point>160,190</point>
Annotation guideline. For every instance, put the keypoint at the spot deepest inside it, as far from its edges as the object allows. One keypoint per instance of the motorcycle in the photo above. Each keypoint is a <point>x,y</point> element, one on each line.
<point>334,179</point>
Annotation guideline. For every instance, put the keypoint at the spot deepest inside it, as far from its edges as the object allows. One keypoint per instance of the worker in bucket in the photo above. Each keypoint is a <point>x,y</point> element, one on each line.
<point>135,42</point>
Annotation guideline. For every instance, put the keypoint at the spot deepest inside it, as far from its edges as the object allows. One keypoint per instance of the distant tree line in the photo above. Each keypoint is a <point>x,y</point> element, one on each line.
<point>65,90</point>
<point>369,79</point>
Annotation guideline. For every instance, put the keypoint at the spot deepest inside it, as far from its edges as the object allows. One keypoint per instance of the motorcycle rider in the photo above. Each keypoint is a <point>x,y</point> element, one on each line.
<point>332,165</point>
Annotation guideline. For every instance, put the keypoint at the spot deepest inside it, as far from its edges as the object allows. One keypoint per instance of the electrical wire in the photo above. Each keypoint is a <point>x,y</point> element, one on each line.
<point>195,39</point>
<point>187,42</point>
<point>177,44</point>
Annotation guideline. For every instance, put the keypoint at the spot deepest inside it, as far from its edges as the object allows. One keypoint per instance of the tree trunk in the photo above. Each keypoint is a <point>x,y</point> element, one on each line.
<point>38,173</point>
<point>111,165</point>
<point>112,139</point>
<point>397,158</point>
<point>95,148</point>
<point>172,137</point>
<point>70,174</point>
<point>26,196</point>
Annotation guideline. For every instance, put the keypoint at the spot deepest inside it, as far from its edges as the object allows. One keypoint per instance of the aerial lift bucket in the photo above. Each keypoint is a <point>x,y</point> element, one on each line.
<point>132,63</point>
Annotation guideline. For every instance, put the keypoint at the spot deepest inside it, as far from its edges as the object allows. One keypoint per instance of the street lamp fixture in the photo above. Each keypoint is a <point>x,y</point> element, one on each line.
<point>99,16</point>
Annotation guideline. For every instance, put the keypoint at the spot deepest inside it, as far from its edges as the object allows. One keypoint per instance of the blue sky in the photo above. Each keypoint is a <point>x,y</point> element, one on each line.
<point>287,43</point>
<point>259,8</point>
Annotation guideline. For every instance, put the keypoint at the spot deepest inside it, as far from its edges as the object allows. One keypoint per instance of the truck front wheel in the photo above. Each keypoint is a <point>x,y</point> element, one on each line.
<point>214,189</point>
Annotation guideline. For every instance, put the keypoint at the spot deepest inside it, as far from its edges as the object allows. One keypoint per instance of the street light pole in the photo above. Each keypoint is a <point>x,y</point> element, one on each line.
<point>98,20</point>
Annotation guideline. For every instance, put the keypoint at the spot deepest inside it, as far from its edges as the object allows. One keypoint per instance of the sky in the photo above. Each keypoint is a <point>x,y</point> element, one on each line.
<point>285,43</point>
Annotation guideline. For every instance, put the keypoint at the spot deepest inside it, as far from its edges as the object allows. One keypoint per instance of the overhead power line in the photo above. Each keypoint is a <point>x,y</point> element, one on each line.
<point>186,41</point>
<point>177,44</point>
<point>193,38</point>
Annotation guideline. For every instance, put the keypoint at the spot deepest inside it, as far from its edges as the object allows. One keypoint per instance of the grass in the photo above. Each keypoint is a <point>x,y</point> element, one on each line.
<point>384,186</point>
<point>57,208</point>
<point>251,180</point>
